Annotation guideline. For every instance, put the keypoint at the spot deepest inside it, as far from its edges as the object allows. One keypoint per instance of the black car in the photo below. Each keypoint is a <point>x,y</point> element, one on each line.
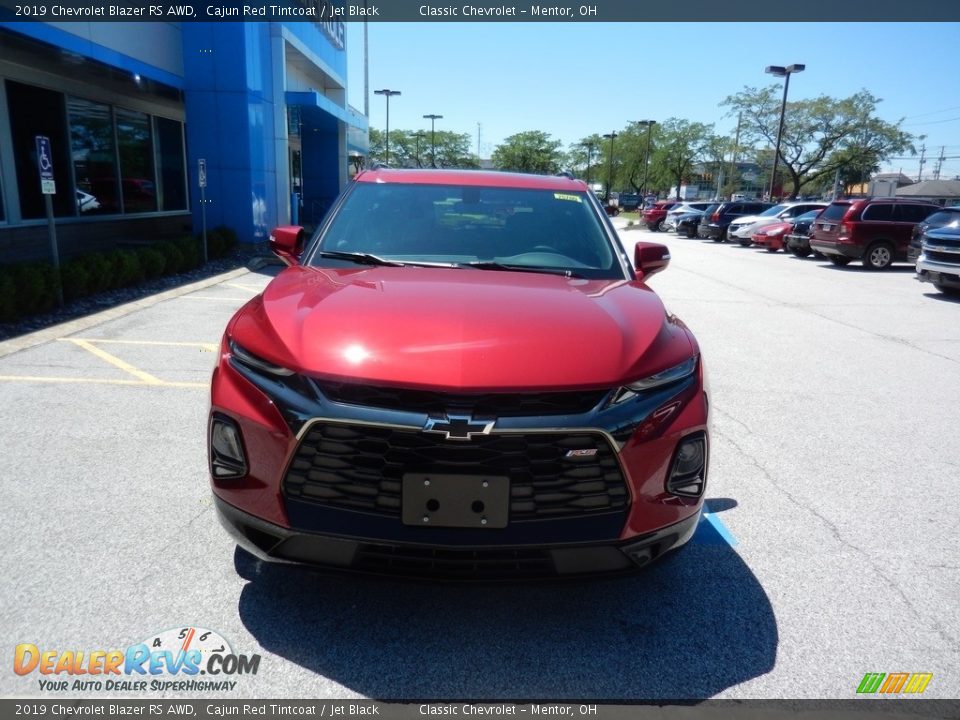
<point>717,218</point>
<point>941,218</point>
<point>688,222</point>
<point>798,239</point>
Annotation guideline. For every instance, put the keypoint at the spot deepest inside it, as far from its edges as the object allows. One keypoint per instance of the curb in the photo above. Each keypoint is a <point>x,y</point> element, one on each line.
<point>39,337</point>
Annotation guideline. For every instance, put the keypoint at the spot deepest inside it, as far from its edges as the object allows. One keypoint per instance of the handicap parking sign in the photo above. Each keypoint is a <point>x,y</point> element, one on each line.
<point>45,164</point>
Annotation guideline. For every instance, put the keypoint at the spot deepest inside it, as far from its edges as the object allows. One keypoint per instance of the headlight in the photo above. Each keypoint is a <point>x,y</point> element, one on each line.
<point>666,377</point>
<point>251,360</point>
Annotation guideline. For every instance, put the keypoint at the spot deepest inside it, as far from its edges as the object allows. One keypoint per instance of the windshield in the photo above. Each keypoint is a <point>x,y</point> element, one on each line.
<point>808,216</point>
<point>775,210</point>
<point>462,225</point>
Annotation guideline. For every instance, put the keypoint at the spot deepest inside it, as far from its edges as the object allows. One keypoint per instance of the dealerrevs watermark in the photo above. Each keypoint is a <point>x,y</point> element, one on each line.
<point>180,659</point>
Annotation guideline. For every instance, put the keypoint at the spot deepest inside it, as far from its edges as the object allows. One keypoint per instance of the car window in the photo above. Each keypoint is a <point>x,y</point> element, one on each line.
<point>711,209</point>
<point>463,224</point>
<point>916,213</point>
<point>879,212</point>
<point>835,211</point>
<point>943,217</point>
<point>808,216</point>
<point>773,211</point>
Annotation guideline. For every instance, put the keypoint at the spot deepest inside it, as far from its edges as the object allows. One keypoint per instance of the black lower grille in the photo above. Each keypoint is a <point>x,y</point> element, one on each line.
<point>443,562</point>
<point>479,404</point>
<point>552,474</point>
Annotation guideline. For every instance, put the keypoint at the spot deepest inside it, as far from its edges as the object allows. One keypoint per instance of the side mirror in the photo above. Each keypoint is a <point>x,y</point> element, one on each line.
<point>650,258</point>
<point>286,242</point>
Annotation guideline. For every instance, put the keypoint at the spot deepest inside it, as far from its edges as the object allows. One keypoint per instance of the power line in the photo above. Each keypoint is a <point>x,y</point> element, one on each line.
<point>932,122</point>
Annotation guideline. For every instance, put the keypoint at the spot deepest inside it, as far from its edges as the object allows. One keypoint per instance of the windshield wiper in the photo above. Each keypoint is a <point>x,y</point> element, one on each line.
<point>360,257</point>
<point>490,265</point>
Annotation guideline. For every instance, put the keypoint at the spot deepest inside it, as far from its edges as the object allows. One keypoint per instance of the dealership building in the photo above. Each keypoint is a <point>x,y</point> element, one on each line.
<point>140,115</point>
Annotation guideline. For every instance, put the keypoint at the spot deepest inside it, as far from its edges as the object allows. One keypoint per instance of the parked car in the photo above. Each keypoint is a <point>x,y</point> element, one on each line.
<point>670,222</point>
<point>687,223</point>
<point>941,218</point>
<point>717,218</point>
<point>875,230</point>
<point>939,261</point>
<point>798,237</point>
<point>743,228</point>
<point>384,405</point>
<point>655,216</point>
<point>772,236</point>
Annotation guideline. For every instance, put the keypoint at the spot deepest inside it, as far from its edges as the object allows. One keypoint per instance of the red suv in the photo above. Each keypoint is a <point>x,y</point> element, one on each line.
<point>655,215</point>
<point>460,374</point>
<point>875,230</point>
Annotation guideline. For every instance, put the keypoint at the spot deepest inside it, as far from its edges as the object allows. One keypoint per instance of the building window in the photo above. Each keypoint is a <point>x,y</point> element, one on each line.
<point>34,111</point>
<point>94,157</point>
<point>171,169</point>
<point>135,145</point>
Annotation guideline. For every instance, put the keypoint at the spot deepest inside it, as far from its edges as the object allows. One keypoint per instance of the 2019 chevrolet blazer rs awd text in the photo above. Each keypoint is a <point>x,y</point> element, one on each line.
<point>460,375</point>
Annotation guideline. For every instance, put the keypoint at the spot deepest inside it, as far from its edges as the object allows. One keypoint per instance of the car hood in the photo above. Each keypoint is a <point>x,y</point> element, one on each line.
<point>755,220</point>
<point>461,329</point>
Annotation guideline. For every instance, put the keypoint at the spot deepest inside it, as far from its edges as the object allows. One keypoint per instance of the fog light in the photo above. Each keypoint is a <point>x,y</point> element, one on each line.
<point>227,459</point>
<point>688,473</point>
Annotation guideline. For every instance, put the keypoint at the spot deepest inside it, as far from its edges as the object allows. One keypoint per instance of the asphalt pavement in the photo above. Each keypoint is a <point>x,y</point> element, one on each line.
<point>829,550</point>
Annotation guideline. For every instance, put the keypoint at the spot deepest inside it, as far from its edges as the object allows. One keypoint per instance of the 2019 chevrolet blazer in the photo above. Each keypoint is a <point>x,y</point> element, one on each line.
<point>460,375</point>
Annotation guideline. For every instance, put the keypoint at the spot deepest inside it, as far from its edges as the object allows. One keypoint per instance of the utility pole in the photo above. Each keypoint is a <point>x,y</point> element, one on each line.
<point>478,143</point>
<point>736,151</point>
<point>923,150</point>
<point>936,173</point>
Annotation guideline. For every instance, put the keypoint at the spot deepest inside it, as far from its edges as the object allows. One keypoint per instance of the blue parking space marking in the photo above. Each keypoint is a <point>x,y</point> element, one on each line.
<point>712,531</point>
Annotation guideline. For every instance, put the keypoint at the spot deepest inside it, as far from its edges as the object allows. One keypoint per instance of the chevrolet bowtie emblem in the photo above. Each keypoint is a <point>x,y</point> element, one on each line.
<point>458,427</point>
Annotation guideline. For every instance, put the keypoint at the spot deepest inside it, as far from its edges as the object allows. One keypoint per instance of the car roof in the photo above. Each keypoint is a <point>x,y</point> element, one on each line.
<point>480,178</point>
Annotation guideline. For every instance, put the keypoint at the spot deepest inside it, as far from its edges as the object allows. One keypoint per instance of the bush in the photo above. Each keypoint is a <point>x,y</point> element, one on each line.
<point>192,252</point>
<point>76,280</point>
<point>125,268</point>
<point>35,285</point>
<point>99,272</point>
<point>220,241</point>
<point>152,262</point>
<point>173,258</point>
<point>8,296</point>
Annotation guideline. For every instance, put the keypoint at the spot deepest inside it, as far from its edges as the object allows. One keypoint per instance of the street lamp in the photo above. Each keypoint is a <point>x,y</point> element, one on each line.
<point>646,163</point>
<point>388,94</point>
<point>784,72</point>
<point>420,136</point>
<point>433,138</point>
<point>612,136</point>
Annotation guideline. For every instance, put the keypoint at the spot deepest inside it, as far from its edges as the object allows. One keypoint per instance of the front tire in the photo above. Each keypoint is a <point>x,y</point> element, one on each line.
<point>838,260</point>
<point>800,252</point>
<point>879,256</point>
<point>745,243</point>
<point>661,226</point>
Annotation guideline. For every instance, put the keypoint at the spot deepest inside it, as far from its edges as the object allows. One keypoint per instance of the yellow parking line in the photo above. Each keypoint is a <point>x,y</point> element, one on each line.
<point>99,381</point>
<point>116,362</point>
<point>163,343</point>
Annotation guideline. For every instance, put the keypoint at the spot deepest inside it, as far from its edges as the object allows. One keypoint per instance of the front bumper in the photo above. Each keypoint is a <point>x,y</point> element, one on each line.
<point>940,273</point>
<point>711,232</point>
<point>798,242</point>
<point>274,543</point>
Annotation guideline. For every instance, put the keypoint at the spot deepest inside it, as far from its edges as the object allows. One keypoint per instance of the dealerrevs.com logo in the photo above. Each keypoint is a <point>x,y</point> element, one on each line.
<point>172,660</point>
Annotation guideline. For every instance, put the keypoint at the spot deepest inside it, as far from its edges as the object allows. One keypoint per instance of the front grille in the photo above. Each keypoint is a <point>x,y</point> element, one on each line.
<point>475,564</point>
<point>943,257</point>
<point>360,467</point>
<point>478,405</point>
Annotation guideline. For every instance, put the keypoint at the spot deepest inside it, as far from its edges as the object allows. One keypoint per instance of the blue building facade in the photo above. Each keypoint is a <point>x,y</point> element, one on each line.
<point>132,109</point>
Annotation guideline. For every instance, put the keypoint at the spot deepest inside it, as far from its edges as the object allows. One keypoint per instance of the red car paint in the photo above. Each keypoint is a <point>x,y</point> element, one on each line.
<point>658,213</point>
<point>772,237</point>
<point>457,331</point>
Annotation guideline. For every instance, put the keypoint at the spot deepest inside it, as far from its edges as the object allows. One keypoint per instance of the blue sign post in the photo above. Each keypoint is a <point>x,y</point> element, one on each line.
<point>48,187</point>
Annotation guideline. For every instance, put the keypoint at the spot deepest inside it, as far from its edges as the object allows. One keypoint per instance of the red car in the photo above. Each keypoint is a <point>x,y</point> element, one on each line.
<point>655,215</point>
<point>772,237</point>
<point>460,375</point>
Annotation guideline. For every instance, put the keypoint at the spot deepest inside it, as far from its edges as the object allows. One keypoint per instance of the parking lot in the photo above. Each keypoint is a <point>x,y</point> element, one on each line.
<point>829,550</point>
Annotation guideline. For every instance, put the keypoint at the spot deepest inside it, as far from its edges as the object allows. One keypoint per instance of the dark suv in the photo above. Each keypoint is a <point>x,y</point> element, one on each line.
<point>717,218</point>
<point>875,230</point>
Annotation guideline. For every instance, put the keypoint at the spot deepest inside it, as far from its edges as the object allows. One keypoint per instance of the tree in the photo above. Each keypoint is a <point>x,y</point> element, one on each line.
<point>453,149</point>
<point>821,135</point>
<point>532,151</point>
<point>681,144</point>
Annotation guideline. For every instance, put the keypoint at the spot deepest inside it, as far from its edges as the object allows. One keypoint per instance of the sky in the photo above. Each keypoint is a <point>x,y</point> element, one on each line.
<point>573,79</point>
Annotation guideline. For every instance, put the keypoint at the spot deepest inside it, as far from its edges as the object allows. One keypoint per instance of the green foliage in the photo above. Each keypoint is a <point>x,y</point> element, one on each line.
<point>35,287</point>
<point>8,295</point>
<point>532,151</point>
<point>173,258</point>
<point>152,262</point>
<point>76,280</point>
<point>99,271</point>
<point>407,150</point>
<point>125,268</point>
<point>220,241</point>
<point>191,250</point>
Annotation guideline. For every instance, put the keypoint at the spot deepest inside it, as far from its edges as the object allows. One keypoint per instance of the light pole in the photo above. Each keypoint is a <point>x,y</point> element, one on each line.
<point>388,94</point>
<point>419,137</point>
<point>784,72</point>
<point>433,138</point>
<point>612,136</point>
<point>589,146</point>
<point>646,163</point>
